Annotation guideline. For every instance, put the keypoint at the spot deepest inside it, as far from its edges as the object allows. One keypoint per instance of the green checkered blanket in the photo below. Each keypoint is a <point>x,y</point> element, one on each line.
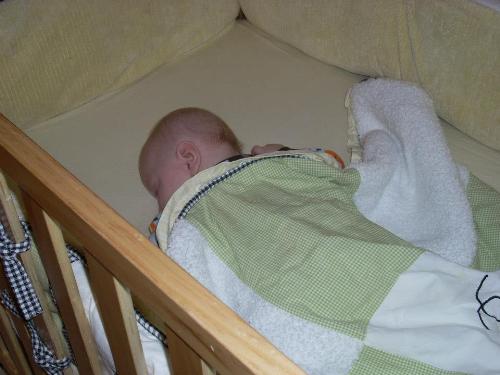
<point>388,267</point>
<point>281,242</point>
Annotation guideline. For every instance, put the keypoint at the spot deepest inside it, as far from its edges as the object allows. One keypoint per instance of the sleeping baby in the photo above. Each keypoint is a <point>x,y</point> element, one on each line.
<point>284,239</point>
<point>182,144</point>
<point>186,142</point>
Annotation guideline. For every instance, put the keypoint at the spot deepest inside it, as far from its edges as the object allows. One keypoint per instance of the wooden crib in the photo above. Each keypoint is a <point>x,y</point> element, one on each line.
<point>204,336</point>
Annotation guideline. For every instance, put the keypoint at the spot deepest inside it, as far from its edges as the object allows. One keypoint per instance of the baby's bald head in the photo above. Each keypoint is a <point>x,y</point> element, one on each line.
<point>196,123</point>
<point>183,143</point>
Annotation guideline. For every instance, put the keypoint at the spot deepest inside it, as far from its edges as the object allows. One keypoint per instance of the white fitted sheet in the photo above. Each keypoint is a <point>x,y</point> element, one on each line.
<point>266,91</point>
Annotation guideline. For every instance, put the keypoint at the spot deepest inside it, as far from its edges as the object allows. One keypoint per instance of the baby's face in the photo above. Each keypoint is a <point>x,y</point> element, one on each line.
<point>161,173</point>
<point>162,181</point>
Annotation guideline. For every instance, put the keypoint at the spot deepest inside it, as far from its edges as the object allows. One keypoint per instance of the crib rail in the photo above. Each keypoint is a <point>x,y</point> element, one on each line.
<point>122,263</point>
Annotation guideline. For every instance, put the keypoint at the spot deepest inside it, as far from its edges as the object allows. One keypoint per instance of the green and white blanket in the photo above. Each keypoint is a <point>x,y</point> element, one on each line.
<point>281,241</point>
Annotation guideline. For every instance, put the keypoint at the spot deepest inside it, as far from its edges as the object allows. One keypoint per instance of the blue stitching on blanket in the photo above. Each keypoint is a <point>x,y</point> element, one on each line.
<point>230,172</point>
<point>482,304</point>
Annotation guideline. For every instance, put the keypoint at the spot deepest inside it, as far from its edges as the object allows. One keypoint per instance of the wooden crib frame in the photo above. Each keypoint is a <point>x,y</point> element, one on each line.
<point>124,265</point>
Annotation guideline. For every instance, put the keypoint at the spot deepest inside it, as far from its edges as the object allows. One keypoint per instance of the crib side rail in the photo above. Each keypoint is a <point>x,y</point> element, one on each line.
<point>129,262</point>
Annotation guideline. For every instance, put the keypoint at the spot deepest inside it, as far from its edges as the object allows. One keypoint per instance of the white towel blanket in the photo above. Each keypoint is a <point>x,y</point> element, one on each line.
<point>280,242</point>
<point>409,182</point>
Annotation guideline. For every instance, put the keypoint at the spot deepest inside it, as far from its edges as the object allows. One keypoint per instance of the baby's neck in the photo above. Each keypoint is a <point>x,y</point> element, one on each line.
<point>215,154</point>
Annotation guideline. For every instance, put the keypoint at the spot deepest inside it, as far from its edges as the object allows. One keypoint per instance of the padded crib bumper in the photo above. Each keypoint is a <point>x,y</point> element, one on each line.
<point>449,47</point>
<point>59,55</point>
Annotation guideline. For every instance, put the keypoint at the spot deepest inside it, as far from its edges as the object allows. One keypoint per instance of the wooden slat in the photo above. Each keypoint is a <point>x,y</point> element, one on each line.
<point>47,328</point>
<point>182,358</point>
<point>12,345</point>
<point>6,360</point>
<point>206,369</point>
<point>10,342</point>
<point>53,253</point>
<point>215,332</point>
<point>24,339</point>
<point>9,214</point>
<point>179,352</point>
<point>118,317</point>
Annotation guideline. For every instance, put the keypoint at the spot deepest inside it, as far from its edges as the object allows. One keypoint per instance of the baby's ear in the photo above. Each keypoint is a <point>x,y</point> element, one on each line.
<point>189,155</point>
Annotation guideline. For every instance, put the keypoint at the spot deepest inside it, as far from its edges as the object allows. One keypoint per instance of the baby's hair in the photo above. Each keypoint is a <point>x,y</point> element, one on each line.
<point>196,122</point>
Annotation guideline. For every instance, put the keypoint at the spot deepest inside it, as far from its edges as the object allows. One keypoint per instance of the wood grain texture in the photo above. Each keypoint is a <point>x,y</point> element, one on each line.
<point>21,335</point>
<point>183,359</point>
<point>14,358</point>
<point>118,317</point>
<point>53,253</point>
<point>45,323</point>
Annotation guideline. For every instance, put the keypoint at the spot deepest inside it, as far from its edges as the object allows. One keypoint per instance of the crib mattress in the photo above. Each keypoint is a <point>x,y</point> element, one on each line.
<point>266,91</point>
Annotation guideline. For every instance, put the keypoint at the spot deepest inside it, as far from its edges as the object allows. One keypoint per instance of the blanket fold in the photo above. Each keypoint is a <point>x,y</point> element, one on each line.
<point>410,184</point>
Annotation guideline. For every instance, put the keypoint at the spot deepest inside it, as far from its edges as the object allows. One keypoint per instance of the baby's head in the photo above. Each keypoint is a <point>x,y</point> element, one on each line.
<point>183,143</point>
